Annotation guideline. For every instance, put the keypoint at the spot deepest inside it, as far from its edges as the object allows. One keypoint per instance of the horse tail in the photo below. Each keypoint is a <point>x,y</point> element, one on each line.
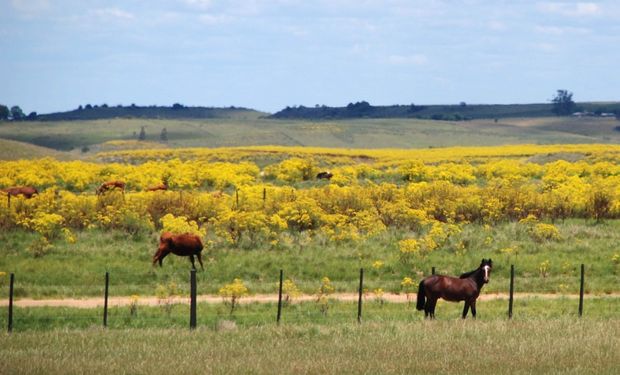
<point>421,296</point>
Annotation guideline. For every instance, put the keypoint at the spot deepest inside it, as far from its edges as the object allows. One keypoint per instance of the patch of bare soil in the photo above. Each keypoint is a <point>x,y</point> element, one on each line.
<point>93,302</point>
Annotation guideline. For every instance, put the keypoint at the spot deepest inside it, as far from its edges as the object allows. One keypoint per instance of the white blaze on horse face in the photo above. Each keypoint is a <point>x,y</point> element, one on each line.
<point>486,273</point>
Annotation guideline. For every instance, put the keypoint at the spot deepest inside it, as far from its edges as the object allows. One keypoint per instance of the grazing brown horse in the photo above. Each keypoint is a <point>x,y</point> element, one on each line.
<point>464,288</point>
<point>158,187</point>
<point>186,244</point>
<point>324,175</point>
<point>26,191</point>
<point>111,185</point>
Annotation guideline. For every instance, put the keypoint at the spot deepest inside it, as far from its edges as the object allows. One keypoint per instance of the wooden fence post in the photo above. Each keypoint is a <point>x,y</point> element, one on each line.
<point>192,296</point>
<point>581,290</point>
<point>11,282</point>
<point>359,299</point>
<point>433,271</point>
<point>511,293</point>
<point>280,298</point>
<point>105,300</point>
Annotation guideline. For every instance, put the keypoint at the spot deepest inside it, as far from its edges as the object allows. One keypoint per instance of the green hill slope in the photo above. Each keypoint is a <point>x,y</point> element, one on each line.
<point>14,150</point>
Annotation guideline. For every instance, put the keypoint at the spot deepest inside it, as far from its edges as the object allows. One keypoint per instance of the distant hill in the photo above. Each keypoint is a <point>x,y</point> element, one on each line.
<point>458,112</point>
<point>177,111</point>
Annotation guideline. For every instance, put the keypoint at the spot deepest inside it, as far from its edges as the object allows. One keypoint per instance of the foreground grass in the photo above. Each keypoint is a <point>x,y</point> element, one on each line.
<point>565,346</point>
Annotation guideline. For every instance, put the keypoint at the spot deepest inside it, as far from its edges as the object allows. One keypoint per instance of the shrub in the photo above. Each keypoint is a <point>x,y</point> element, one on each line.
<point>290,291</point>
<point>545,232</point>
<point>233,292</point>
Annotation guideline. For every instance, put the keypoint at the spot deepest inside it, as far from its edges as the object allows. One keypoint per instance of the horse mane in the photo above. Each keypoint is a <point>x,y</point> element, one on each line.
<point>468,274</point>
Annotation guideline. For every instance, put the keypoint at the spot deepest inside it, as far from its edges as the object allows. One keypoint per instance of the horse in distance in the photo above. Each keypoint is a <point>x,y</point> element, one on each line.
<point>25,191</point>
<point>111,185</point>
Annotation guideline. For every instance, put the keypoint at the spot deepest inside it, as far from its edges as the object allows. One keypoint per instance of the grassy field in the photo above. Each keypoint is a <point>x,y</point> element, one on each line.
<point>563,345</point>
<point>71,270</point>
<point>175,313</point>
<point>365,133</point>
<point>14,150</point>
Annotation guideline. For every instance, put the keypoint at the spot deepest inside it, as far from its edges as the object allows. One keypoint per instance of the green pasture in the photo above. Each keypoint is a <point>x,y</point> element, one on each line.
<point>75,270</point>
<point>362,133</point>
<point>247,315</point>
<point>558,345</point>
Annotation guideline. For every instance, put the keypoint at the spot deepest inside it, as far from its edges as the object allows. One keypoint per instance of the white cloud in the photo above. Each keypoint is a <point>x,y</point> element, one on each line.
<point>561,31</point>
<point>570,9</point>
<point>30,6</point>
<point>200,4</point>
<point>114,13</point>
<point>212,19</point>
<point>546,47</point>
<point>417,59</point>
<point>496,25</point>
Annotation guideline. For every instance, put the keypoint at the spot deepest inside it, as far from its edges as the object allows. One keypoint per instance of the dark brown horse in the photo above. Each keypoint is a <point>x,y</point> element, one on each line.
<point>26,191</point>
<point>324,175</point>
<point>464,288</point>
<point>111,185</point>
<point>186,244</point>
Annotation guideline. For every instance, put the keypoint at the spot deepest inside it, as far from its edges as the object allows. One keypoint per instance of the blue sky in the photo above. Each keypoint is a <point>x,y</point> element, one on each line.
<point>269,54</point>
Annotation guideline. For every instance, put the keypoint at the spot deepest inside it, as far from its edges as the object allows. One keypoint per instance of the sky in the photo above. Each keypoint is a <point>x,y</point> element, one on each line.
<point>59,54</point>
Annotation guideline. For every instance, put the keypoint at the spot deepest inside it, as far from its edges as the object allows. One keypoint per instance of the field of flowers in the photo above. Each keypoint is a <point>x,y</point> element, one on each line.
<point>237,201</point>
<point>225,195</point>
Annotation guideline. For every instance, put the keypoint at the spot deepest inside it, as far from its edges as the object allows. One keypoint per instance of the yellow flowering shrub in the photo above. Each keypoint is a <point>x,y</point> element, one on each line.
<point>545,232</point>
<point>290,291</point>
<point>231,293</point>
<point>47,225</point>
<point>180,225</point>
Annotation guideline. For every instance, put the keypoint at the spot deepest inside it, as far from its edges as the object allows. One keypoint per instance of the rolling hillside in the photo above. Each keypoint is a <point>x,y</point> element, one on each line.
<point>362,133</point>
<point>14,150</point>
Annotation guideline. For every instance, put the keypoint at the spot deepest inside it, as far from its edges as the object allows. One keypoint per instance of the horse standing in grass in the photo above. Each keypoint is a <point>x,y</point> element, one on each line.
<point>186,244</point>
<point>464,288</point>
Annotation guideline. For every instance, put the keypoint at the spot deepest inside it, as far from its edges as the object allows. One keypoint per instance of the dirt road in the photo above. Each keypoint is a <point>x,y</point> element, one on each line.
<point>92,302</point>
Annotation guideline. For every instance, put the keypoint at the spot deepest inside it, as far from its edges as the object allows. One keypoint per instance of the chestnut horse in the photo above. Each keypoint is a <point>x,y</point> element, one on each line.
<point>185,244</point>
<point>464,288</point>
<point>111,185</point>
<point>158,187</point>
<point>27,191</point>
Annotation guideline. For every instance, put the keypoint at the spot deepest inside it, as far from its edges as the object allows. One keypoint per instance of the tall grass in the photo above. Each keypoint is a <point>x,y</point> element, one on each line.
<point>253,314</point>
<point>565,346</point>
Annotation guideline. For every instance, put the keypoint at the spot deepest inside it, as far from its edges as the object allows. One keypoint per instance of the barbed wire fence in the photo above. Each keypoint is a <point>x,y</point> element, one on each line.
<point>181,308</point>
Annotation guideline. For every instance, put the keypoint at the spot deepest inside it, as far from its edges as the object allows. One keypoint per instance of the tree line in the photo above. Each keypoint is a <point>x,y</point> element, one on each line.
<point>15,113</point>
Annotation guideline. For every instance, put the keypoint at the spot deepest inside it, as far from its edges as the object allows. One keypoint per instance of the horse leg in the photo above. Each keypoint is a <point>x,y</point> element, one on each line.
<point>466,309</point>
<point>428,308</point>
<point>191,257</point>
<point>200,261</point>
<point>433,303</point>
<point>473,309</point>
